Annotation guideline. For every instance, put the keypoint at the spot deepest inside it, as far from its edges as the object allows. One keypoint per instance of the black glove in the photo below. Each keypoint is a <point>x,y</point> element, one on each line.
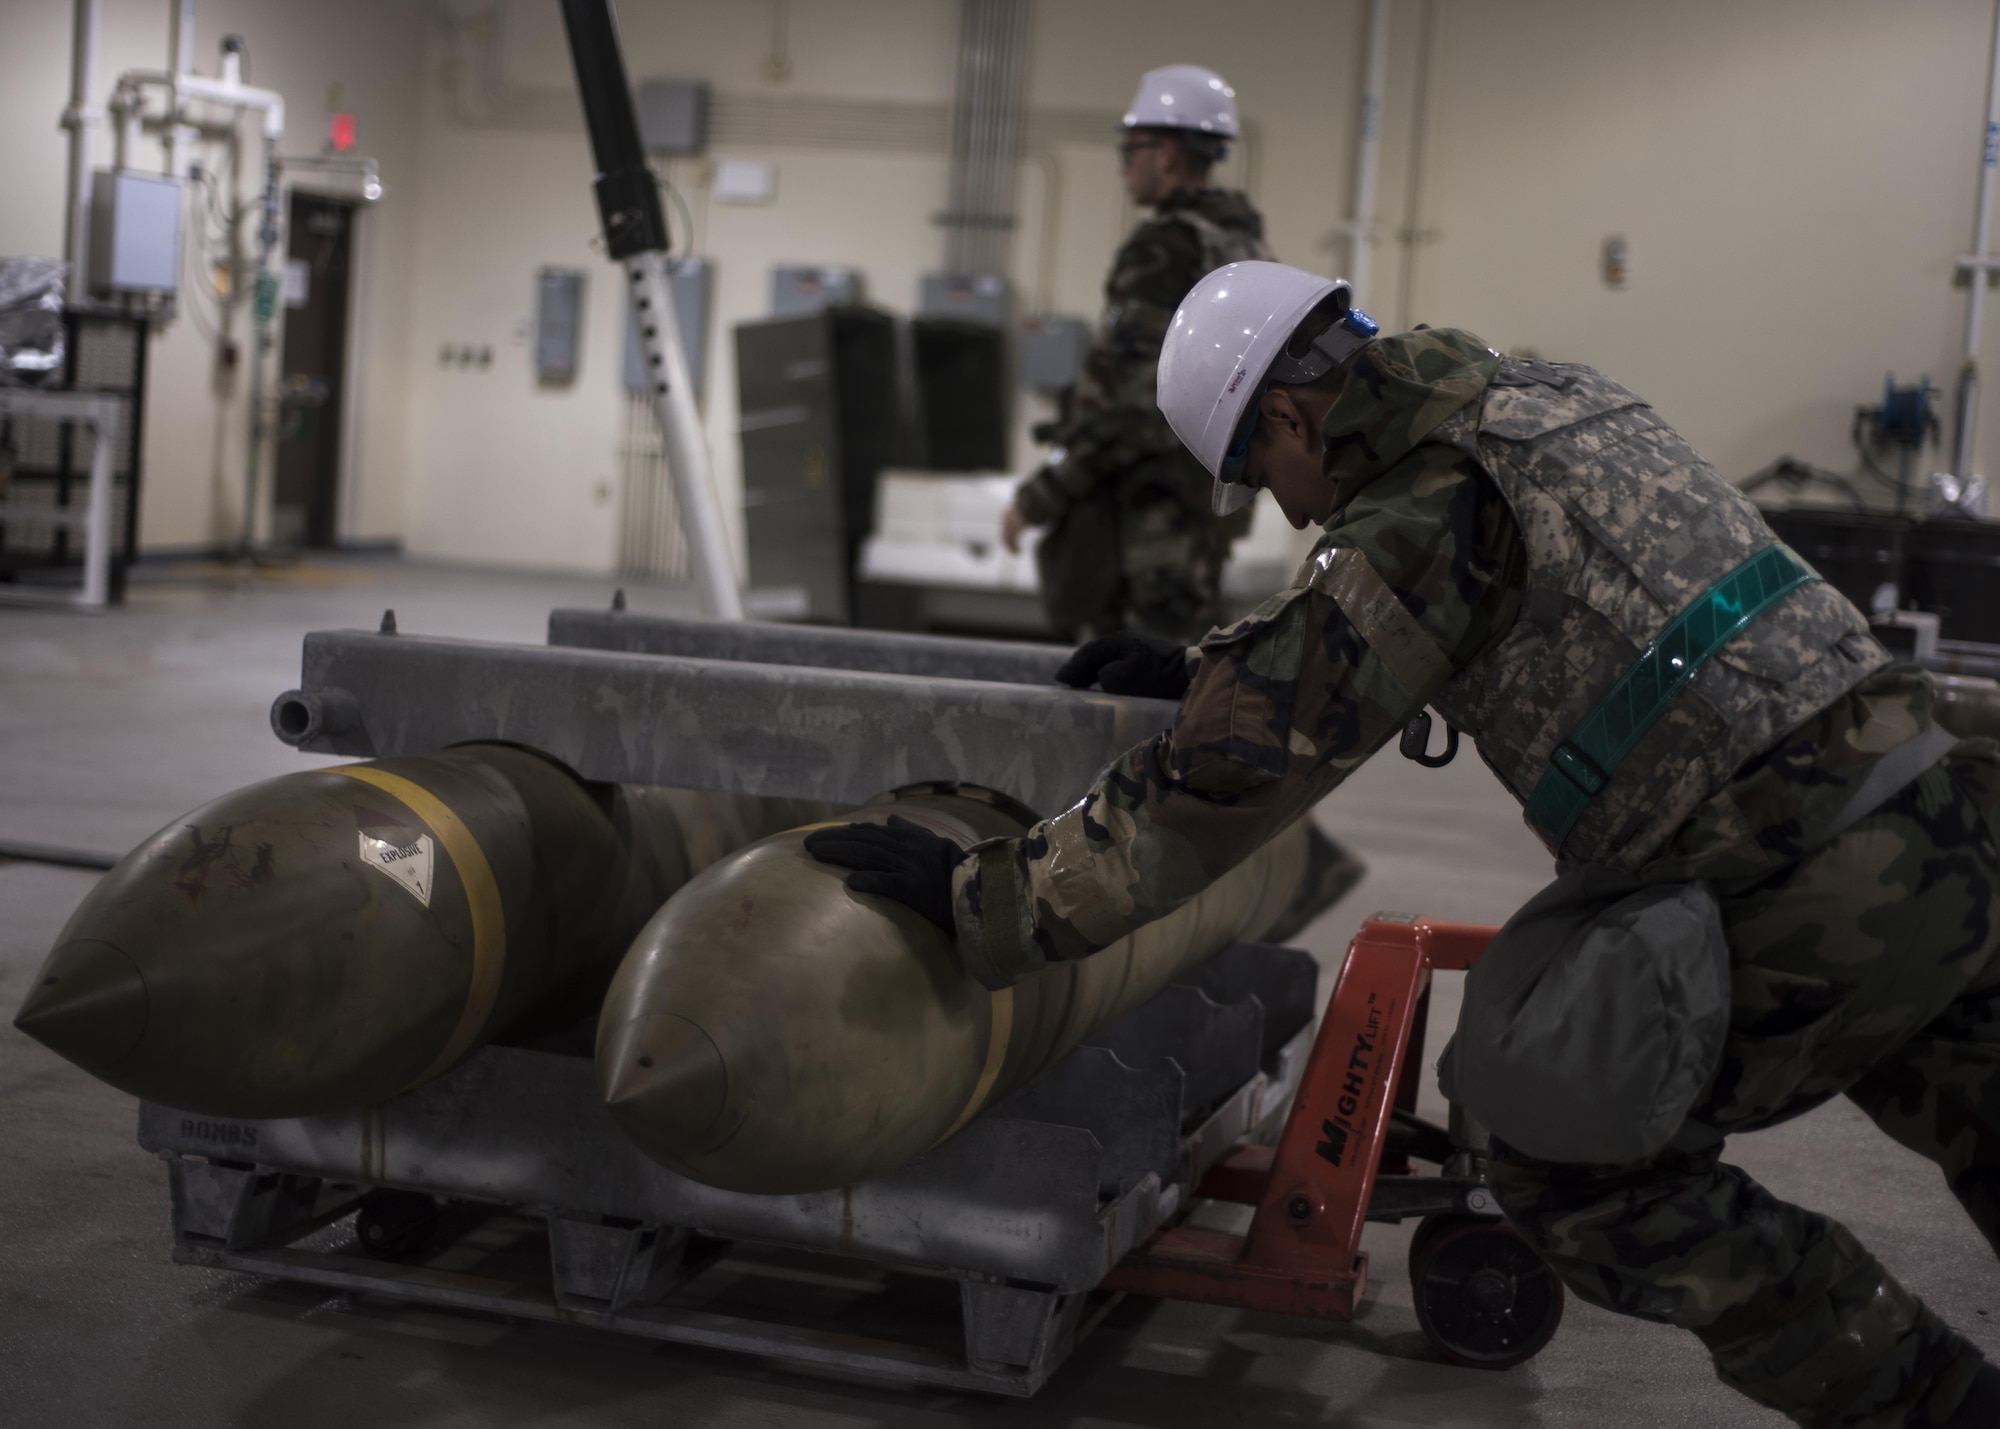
<point>1126,662</point>
<point>898,860</point>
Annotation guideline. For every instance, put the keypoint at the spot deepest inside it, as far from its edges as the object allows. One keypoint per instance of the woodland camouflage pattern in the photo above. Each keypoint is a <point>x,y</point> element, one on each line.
<point>1845,980</point>
<point>1866,968</point>
<point>1122,476</point>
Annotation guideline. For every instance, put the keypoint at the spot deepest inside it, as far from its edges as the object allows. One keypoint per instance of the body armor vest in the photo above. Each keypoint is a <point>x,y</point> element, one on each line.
<point>1625,525</point>
<point>1220,244</point>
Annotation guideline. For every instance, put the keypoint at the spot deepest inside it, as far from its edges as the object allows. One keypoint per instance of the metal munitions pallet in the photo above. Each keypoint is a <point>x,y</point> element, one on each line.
<point>1026,1209</point>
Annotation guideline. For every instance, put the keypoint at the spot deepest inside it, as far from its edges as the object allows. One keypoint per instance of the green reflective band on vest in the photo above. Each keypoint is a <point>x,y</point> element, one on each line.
<point>1582,764</point>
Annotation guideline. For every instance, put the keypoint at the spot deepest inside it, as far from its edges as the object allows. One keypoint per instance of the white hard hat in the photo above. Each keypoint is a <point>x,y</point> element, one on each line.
<point>1227,342</point>
<point>1184,97</point>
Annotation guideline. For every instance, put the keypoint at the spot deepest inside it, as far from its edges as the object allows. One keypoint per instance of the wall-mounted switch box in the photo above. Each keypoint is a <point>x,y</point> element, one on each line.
<point>673,115</point>
<point>745,181</point>
<point>977,297</point>
<point>135,232</point>
<point>799,288</point>
<point>558,325</point>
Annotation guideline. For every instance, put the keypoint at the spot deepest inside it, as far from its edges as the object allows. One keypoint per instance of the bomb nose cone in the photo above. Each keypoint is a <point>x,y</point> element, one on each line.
<point>89,1005</point>
<point>667,1072</point>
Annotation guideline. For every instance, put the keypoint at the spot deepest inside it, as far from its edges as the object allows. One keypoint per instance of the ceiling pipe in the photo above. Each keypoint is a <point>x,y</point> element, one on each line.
<point>1367,154</point>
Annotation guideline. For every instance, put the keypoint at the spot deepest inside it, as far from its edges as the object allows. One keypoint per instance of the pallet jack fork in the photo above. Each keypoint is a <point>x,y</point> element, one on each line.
<point>1491,1303</point>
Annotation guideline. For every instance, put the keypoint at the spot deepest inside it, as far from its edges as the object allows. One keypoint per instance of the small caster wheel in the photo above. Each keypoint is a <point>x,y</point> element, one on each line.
<point>395,1225</point>
<point>1485,1300</point>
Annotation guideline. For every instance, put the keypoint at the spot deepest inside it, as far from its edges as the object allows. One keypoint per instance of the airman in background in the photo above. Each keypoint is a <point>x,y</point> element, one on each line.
<point>1132,542</point>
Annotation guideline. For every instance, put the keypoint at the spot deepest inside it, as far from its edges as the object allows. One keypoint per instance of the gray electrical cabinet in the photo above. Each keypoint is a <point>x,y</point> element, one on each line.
<point>977,298</point>
<point>693,283</point>
<point>673,115</point>
<point>797,288</point>
<point>135,232</point>
<point>816,397</point>
<point>558,325</point>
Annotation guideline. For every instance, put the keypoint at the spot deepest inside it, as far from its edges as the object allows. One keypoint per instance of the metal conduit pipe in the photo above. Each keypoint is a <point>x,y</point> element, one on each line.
<point>180,47</point>
<point>985,130</point>
<point>183,84</point>
<point>1978,265</point>
<point>1367,153</point>
<point>78,117</point>
<point>772,1032</point>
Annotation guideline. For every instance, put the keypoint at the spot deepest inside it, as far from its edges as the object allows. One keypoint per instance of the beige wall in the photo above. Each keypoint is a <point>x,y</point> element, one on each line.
<point>506,187</point>
<point>1793,178</point>
<point>196,419</point>
<point>506,471</point>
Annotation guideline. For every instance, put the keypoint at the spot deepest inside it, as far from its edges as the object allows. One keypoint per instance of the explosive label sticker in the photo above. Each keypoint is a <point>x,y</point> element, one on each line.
<point>399,851</point>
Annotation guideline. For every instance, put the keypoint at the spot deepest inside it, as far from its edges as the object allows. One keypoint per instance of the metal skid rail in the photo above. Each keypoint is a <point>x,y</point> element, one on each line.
<point>722,725</point>
<point>887,652</point>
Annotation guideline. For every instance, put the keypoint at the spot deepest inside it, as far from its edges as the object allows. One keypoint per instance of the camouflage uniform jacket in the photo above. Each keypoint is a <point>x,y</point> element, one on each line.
<point>1420,578</point>
<point>1113,433</point>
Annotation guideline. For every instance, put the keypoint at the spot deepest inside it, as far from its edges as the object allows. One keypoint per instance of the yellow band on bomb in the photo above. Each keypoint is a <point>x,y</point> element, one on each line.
<point>482,894</point>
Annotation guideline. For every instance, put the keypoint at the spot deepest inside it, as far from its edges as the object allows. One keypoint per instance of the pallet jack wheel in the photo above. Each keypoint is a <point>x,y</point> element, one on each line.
<point>394,1225</point>
<point>1484,1299</point>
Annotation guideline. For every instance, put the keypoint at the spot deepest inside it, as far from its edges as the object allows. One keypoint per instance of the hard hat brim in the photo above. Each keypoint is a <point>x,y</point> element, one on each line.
<point>1230,497</point>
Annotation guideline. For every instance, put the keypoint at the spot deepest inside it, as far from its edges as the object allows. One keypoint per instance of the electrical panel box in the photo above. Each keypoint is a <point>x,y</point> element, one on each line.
<point>1050,355</point>
<point>978,298</point>
<point>692,281</point>
<point>558,324</point>
<point>673,115</point>
<point>797,289</point>
<point>135,233</point>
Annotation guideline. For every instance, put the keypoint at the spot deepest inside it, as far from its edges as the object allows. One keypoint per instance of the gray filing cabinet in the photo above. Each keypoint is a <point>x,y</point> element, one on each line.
<point>816,404</point>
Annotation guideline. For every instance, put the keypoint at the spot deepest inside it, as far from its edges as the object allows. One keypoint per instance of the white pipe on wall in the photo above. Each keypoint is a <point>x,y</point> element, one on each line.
<point>180,61</point>
<point>1978,266</point>
<point>227,91</point>
<point>126,113</point>
<point>78,118</point>
<point>1367,152</point>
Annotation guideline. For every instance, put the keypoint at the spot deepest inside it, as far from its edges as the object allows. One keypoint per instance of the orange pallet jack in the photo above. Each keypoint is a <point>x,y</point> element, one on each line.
<point>1483,1297</point>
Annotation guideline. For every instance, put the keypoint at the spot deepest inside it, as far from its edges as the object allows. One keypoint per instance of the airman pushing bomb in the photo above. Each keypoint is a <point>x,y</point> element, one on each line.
<point>1779,879</point>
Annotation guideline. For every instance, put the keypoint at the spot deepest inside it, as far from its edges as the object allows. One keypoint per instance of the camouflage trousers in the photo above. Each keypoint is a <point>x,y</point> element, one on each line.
<point>1171,562</point>
<point>1865,969</point>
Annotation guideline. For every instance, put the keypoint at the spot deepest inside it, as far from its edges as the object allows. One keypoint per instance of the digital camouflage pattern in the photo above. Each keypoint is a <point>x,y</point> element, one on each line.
<point>1845,979</point>
<point>1283,704</point>
<point>1864,968</point>
<point>1120,475</point>
<point>1626,526</point>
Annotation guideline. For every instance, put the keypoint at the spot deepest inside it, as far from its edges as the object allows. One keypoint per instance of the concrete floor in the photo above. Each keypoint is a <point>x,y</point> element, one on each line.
<point>111,726</point>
